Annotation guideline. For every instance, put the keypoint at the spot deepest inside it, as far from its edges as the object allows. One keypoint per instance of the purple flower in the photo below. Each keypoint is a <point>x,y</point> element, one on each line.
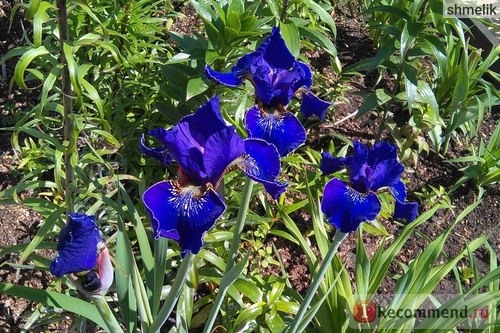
<point>276,76</point>
<point>205,148</point>
<point>371,170</point>
<point>82,253</point>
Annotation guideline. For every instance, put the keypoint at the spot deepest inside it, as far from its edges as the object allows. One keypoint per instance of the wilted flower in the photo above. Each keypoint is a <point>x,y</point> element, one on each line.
<point>371,170</point>
<point>205,148</point>
<point>276,76</point>
<point>82,253</point>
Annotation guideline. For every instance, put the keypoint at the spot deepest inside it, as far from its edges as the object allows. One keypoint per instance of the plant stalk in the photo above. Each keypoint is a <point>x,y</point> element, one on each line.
<point>231,260</point>
<point>318,278</point>
<point>62,16</point>
<point>283,11</point>
<point>106,313</point>
<point>173,295</point>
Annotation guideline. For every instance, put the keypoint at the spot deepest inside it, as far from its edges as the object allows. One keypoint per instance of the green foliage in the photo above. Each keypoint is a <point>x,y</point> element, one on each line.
<point>440,77</point>
<point>127,72</point>
<point>483,166</point>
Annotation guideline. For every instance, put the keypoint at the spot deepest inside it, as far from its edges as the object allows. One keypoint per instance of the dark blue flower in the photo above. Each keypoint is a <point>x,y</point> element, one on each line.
<point>82,252</point>
<point>371,170</point>
<point>277,77</point>
<point>205,148</point>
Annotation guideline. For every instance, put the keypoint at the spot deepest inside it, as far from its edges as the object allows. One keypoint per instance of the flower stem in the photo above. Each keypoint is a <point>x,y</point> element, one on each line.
<point>283,11</point>
<point>67,99</point>
<point>106,313</point>
<point>231,260</point>
<point>173,295</point>
<point>318,278</point>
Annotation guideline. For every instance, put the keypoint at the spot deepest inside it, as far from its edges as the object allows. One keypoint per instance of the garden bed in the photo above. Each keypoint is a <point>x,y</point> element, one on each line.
<point>19,224</point>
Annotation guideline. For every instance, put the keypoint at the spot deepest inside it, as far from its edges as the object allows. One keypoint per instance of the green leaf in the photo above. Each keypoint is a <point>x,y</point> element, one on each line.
<point>237,7</point>
<point>425,94</point>
<point>195,87</point>
<point>411,82</point>
<point>124,286</point>
<point>40,17</point>
<point>291,36</point>
<point>375,228</point>
<point>249,314</point>
<point>376,99</point>
<point>72,69</point>
<point>44,230</point>
<point>24,62</point>
<point>323,14</point>
<point>391,10</point>
<point>55,299</point>
<point>319,38</point>
<point>233,21</point>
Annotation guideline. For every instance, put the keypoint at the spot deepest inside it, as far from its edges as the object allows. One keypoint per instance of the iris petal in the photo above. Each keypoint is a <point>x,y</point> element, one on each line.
<point>304,75</point>
<point>228,79</point>
<point>221,150</point>
<point>386,173</point>
<point>359,159</point>
<point>160,153</point>
<point>276,52</point>
<point>184,214</point>
<point>187,153</point>
<point>261,163</point>
<point>188,138</point>
<point>313,106</point>
<point>403,210</point>
<point>330,164</point>
<point>206,121</point>
<point>263,84</point>
<point>283,130</point>
<point>382,151</point>
<point>77,246</point>
<point>346,208</point>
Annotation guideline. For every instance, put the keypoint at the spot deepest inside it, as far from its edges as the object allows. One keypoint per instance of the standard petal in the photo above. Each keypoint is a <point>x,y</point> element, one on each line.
<point>346,208</point>
<point>285,83</point>
<point>77,246</point>
<point>382,151</point>
<point>276,52</point>
<point>407,211</point>
<point>261,162</point>
<point>386,174</point>
<point>313,106</point>
<point>182,213</point>
<point>160,153</point>
<point>228,79</point>
<point>221,149</point>
<point>206,121</point>
<point>283,130</point>
<point>263,84</point>
<point>330,164</point>
<point>359,158</point>
<point>187,153</point>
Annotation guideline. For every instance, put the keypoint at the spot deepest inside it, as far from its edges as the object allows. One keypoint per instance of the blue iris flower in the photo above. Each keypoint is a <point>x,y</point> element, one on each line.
<point>205,149</point>
<point>82,253</point>
<point>348,205</point>
<point>276,76</point>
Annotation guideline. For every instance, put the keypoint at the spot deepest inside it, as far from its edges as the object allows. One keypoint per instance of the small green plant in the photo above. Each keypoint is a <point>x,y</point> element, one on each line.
<point>440,87</point>
<point>483,166</point>
<point>430,195</point>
